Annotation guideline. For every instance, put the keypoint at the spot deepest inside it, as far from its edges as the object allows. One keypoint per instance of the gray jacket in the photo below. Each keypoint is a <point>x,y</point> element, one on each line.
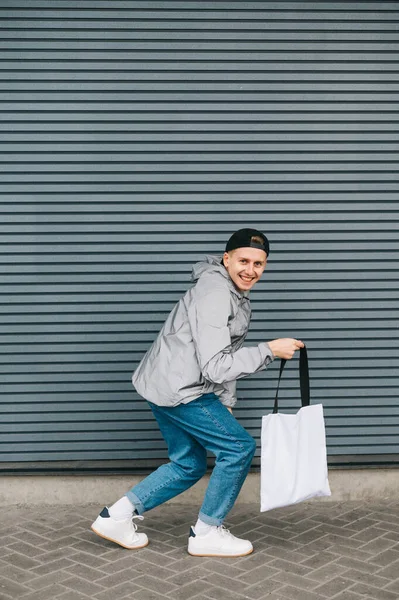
<point>198,350</point>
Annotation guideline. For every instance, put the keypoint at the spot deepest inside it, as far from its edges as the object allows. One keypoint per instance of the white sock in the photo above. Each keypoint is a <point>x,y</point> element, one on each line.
<point>202,528</point>
<point>122,509</point>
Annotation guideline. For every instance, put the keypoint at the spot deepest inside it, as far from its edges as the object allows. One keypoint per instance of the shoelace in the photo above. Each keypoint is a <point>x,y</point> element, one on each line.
<point>139,517</point>
<point>224,531</point>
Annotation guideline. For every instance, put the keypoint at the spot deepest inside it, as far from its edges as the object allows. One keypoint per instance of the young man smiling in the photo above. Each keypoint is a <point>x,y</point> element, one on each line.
<point>188,377</point>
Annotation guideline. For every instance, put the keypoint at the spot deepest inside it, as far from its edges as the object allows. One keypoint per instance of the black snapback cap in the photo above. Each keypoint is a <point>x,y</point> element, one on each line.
<point>243,238</point>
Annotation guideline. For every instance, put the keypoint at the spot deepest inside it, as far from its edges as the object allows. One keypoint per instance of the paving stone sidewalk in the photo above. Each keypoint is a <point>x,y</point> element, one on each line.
<point>313,551</point>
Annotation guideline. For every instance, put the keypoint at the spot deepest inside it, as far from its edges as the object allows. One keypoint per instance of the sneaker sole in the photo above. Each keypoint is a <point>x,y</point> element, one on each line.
<point>222,555</point>
<point>116,542</point>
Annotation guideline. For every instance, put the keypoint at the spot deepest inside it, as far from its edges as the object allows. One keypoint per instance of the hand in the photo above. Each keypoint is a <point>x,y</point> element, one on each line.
<point>285,347</point>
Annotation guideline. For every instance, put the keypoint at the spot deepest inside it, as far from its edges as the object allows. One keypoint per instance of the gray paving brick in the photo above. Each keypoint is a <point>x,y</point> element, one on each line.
<point>12,588</point>
<point>285,544</point>
<point>389,526</point>
<point>92,561</point>
<point>303,526</point>
<point>154,583</point>
<point>28,537</point>
<point>319,545</point>
<point>148,595</point>
<point>327,572</point>
<point>47,580</point>
<point>257,559</point>
<point>16,574</point>
<point>369,534</point>
<point>38,528</point>
<point>340,550</point>
<point>60,553</point>
<point>277,532</point>
<point>277,552</point>
<point>334,586</point>
<point>97,549</point>
<point>347,595</point>
<point>352,563</point>
<point>217,593</point>
<point>48,593</point>
<point>258,574</point>
<point>191,574</point>
<point>341,531</point>
<point>391,535</point>
<point>384,559</point>
<point>72,595</point>
<point>262,590</point>
<point>145,568</point>
<point>218,580</point>
<point>85,572</point>
<point>56,545</point>
<point>157,559</point>
<point>26,549</point>
<point>378,545</point>
<point>21,561</point>
<point>308,536</point>
<point>367,578</point>
<point>119,591</point>
<point>291,567</point>
<point>109,581</point>
<point>340,544</point>
<point>393,587</point>
<point>341,541</point>
<point>80,585</point>
<point>294,594</point>
<point>390,572</point>
<point>287,578</point>
<point>225,568</point>
<point>375,593</point>
<point>319,560</point>
<point>52,566</point>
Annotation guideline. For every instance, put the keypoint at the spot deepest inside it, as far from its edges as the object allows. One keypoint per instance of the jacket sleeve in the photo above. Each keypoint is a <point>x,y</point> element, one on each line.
<point>208,317</point>
<point>228,395</point>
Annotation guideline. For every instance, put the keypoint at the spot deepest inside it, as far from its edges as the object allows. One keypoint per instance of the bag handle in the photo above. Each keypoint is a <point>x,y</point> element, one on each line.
<point>303,379</point>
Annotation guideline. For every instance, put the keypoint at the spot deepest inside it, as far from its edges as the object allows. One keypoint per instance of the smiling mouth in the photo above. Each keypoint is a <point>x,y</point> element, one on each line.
<point>247,279</point>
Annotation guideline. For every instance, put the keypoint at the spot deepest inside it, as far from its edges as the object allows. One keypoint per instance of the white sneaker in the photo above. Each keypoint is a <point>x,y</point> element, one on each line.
<point>122,532</point>
<point>217,542</point>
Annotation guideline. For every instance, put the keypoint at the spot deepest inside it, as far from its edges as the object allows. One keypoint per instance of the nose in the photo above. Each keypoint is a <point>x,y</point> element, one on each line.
<point>250,271</point>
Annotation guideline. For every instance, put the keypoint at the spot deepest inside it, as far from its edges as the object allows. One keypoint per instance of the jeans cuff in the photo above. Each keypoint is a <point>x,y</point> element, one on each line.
<point>210,520</point>
<point>138,505</point>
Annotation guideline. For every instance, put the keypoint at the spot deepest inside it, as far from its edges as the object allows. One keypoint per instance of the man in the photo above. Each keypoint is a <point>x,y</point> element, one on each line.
<point>188,377</point>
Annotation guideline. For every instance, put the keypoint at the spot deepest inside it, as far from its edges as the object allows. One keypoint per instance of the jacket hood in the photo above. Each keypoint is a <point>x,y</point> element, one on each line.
<point>213,265</point>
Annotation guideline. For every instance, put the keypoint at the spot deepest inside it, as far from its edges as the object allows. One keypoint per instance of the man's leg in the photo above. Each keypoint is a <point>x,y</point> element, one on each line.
<point>234,449</point>
<point>213,427</point>
<point>189,430</point>
<point>187,462</point>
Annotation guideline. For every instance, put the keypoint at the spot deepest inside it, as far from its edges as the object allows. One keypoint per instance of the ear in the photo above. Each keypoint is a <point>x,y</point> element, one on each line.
<point>226,259</point>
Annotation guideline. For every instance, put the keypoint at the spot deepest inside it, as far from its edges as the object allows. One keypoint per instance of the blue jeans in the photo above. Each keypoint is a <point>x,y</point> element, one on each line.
<point>189,431</point>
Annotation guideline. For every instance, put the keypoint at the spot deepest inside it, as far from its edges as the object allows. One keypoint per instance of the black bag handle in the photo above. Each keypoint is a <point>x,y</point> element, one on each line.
<point>303,379</point>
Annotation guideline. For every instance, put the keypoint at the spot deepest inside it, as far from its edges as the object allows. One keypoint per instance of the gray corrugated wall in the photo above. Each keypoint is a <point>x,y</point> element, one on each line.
<point>136,136</point>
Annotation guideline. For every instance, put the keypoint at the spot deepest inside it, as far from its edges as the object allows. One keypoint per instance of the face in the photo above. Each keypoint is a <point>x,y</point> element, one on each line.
<point>245,266</point>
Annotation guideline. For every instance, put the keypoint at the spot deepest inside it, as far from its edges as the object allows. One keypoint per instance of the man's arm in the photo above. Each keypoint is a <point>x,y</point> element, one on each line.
<point>208,317</point>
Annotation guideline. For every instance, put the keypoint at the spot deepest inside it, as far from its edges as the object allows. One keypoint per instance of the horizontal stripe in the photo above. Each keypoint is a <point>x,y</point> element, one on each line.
<point>136,137</point>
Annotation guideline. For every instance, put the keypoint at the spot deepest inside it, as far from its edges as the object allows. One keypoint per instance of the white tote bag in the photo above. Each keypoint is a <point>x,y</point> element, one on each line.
<point>293,450</point>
